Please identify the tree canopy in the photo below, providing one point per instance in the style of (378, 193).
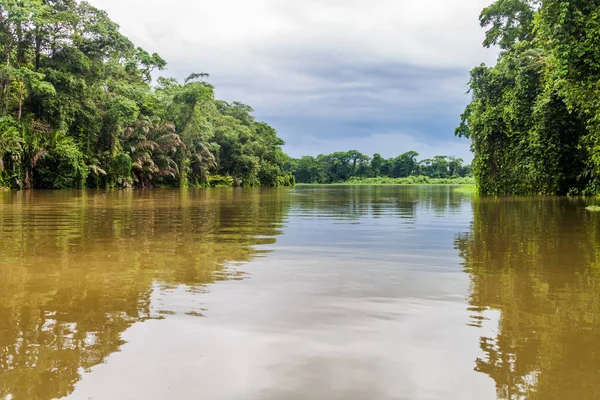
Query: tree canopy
(534, 118)
(79, 108)
(342, 166)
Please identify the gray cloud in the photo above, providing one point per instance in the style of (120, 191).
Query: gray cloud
(328, 74)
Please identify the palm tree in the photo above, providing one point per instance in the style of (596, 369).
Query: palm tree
(152, 147)
(201, 160)
(35, 146)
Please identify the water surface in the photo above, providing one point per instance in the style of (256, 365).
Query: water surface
(304, 293)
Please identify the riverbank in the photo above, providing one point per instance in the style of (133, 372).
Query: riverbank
(411, 180)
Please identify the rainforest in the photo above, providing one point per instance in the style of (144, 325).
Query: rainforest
(534, 118)
(79, 108)
(82, 106)
(183, 266)
(355, 167)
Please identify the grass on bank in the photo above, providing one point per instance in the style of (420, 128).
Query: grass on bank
(467, 189)
(593, 208)
(411, 180)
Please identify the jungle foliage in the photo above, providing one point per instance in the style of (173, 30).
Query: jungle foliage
(79, 108)
(353, 166)
(534, 118)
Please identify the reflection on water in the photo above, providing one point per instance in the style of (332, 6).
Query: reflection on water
(77, 269)
(355, 293)
(536, 262)
(376, 201)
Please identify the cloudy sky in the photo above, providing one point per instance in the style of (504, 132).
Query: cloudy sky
(382, 76)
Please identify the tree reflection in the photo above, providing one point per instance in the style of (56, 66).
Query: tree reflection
(536, 262)
(398, 201)
(78, 268)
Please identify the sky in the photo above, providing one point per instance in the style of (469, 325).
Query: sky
(383, 76)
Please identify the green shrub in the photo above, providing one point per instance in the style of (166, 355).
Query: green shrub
(220, 181)
(63, 167)
(286, 180)
(269, 175)
(120, 170)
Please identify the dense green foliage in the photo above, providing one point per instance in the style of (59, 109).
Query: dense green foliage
(412, 180)
(534, 119)
(346, 166)
(77, 109)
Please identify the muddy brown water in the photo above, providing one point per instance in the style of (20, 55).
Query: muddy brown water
(384, 292)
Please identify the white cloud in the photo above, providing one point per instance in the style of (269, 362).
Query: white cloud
(426, 32)
(368, 60)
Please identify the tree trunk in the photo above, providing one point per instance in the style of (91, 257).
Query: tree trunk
(20, 99)
(20, 45)
(183, 171)
(38, 50)
(27, 179)
(5, 80)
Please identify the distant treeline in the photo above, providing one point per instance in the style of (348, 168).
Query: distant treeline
(342, 166)
(77, 109)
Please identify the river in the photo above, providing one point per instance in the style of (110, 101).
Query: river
(385, 292)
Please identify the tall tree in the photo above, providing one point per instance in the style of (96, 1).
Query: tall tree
(532, 130)
(79, 110)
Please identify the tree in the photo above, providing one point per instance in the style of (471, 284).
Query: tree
(455, 166)
(377, 164)
(532, 131)
(509, 22)
(78, 109)
(342, 166)
(405, 164)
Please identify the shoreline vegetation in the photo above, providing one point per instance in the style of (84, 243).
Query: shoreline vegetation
(465, 183)
(534, 118)
(79, 109)
(354, 167)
